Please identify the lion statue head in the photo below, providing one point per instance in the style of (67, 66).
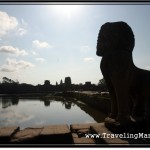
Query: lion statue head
(115, 36)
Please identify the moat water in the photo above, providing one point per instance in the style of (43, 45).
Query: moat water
(26, 112)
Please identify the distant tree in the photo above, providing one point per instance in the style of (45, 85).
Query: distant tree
(7, 80)
(56, 83)
(88, 83)
(46, 82)
(102, 84)
(17, 81)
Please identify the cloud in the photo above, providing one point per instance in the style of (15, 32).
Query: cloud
(34, 53)
(23, 22)
(7, 23)
(40, 123)
(12, 65)
(40, 44)
(84, 48)
(13, 117)
(23, 117)
(7, 69)
(21, 31)
(88, 59)
(12, 50)
(11, 24)
(40, 59)
(22, 28)
(148, 68)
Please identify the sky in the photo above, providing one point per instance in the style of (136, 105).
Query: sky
(51, 42)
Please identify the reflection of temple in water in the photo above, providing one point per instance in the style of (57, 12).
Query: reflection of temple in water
(6, 101)
(67, 104)
(47, 103)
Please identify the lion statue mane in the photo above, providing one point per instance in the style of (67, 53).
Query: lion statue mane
(128, 85)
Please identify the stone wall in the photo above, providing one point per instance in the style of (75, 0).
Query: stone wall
(93, 99)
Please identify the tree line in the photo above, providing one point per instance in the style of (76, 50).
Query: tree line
(9, 86)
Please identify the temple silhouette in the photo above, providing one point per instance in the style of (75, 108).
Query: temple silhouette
(9, 86)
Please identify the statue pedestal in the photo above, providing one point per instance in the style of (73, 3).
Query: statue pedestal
(104, 136)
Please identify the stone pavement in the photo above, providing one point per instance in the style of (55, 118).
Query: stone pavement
(76, 134)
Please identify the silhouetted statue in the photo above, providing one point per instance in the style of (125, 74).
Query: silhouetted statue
(128, 85)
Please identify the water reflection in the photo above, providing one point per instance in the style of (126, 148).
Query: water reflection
(47, 103)
(7, 101)
(67, 104)
(27, 112)
(97, 115)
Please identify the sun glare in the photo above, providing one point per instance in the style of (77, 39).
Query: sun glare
(67, 10)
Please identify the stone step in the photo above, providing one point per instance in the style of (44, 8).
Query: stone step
(82, 140)
(110, 139)
(56, 134)
(78, 133)
(99, 130)
(61, 134)
(76, 127)
(6, 134)
(27, 136)
(52, 134)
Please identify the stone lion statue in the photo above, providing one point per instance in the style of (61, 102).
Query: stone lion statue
(129, 86)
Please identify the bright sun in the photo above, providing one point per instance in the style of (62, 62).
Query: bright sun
(67, 10)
